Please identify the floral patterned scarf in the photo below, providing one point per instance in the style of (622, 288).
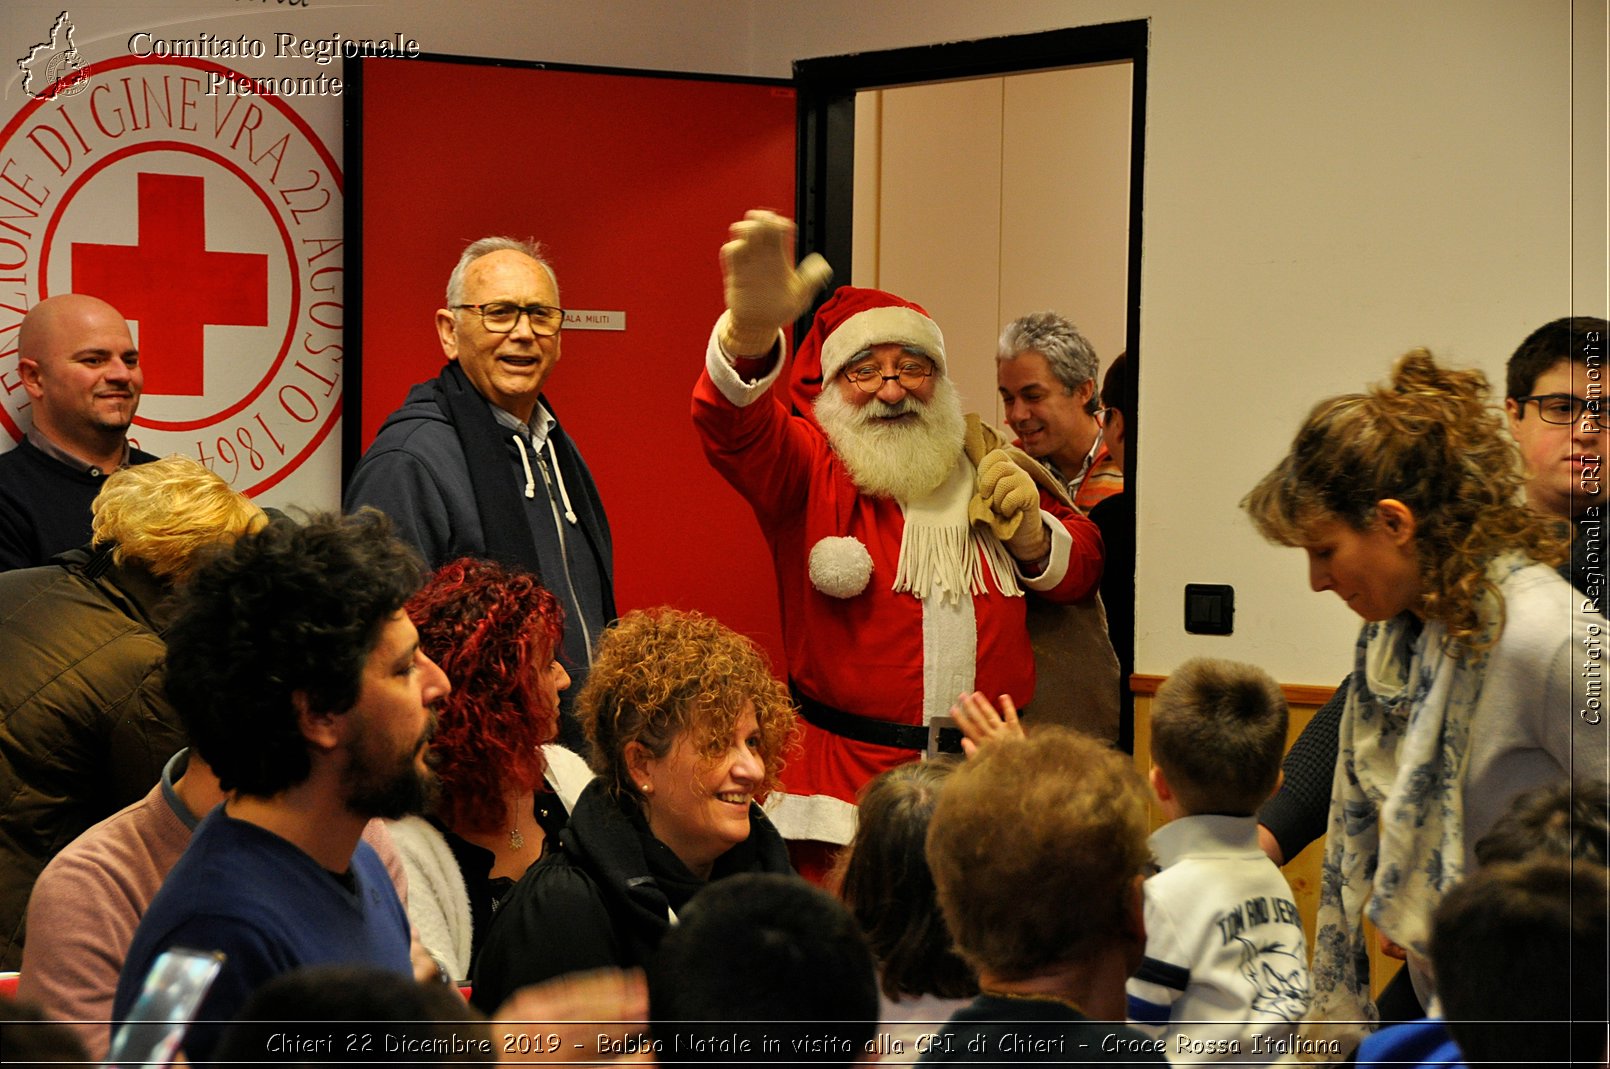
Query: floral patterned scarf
(1395, 839)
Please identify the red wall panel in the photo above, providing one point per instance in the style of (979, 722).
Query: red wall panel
(631, 182)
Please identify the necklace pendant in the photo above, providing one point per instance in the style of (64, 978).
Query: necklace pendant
(516, 840)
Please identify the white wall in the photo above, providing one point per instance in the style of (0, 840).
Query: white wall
(1327, 184)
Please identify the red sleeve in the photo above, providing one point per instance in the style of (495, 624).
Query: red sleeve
(1083, 574)
(765, 453)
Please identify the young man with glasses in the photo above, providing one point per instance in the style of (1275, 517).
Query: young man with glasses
(476, 464)
(906, 539)
(1556, 406)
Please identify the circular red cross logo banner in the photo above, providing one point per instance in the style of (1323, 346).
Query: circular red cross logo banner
(211, 218)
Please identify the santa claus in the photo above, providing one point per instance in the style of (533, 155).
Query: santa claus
(905, 535)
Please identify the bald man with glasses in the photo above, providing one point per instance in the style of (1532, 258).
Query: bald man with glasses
(476, 464)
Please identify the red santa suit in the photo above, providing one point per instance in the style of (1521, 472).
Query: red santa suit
(855, 641)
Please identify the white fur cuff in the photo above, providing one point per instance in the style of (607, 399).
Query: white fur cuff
(740, 393)
(1056, 569)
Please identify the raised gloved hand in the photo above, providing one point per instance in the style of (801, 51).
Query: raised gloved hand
(765, 291)
(1009, 502)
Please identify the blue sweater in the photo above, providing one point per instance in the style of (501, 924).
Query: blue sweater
(269, 908)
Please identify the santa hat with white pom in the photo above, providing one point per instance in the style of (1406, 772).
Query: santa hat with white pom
(852, 321)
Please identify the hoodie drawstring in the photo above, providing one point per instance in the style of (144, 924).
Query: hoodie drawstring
(525, 462)
(559, 477)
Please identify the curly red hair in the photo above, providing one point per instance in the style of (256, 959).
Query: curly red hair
(494, 631)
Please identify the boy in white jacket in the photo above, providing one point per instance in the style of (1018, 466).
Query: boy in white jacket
(1225, 977)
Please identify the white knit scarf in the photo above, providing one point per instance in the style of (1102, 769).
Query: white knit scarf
(942, 553)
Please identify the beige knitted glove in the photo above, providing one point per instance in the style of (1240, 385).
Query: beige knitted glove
(765, 291)
(1009, 502)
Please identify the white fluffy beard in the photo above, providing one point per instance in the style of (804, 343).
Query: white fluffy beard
(903, 460)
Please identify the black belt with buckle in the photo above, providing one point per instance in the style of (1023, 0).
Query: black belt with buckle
(878, 732)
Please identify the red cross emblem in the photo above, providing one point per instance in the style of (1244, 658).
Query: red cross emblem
(214, 222)
(172, 284)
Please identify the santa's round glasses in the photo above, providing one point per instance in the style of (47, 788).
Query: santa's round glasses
(869, 377)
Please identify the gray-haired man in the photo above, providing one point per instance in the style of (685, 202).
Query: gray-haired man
(476, 464)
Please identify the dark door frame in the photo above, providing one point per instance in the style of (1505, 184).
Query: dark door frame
(827, 87)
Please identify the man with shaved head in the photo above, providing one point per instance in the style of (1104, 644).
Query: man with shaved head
(82, 372)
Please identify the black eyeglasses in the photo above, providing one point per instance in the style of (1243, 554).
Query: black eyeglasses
(869, 377)
(500, 317)
(1561, 408)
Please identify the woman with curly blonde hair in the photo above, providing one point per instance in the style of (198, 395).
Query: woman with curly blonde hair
(688, 730)
(1407, 500)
